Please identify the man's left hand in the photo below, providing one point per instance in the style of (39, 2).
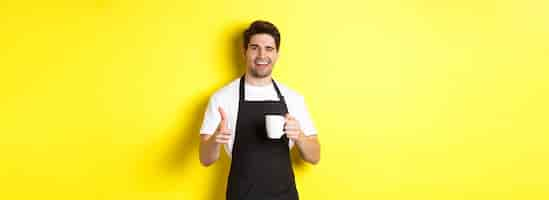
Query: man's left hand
(292, 128)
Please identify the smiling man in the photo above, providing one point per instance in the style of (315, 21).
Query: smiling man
(261, 167)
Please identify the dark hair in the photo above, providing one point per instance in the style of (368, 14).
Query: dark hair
(258, 27)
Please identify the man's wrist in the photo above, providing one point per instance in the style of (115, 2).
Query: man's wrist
(301, 138)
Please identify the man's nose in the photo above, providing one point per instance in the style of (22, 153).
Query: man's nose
(260, 52)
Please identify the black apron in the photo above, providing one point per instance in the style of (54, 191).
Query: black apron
(261, 168)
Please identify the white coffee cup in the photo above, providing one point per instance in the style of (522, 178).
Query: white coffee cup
(275, 126)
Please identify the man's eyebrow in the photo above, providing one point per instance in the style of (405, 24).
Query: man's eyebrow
(257, 45)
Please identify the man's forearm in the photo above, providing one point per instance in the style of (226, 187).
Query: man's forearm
(209, 150)
(309, 149)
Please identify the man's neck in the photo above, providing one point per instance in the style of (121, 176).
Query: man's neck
(258, 81)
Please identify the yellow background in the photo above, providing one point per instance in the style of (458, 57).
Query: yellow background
(412, 99)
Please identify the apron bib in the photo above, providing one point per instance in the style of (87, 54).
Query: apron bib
(261, 168)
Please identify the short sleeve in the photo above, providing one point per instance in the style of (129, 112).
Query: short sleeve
(211, 117)
(301, 113)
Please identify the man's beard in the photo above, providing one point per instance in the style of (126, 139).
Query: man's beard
(257, 74)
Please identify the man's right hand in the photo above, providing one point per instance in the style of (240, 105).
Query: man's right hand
(223, 134)
(210, 144)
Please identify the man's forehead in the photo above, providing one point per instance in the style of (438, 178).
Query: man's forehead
(262, 39)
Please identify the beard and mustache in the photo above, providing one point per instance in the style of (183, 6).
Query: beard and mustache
(261, 73)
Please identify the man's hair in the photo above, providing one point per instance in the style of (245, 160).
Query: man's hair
(258, 27)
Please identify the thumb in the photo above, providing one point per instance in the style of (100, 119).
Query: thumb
(288, 116)
(223, 123)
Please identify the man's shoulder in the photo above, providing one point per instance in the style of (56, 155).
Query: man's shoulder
(227, 91)
(288, 93)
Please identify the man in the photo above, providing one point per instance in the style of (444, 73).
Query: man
(261, 168)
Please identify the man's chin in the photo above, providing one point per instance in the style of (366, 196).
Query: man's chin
(260, 75)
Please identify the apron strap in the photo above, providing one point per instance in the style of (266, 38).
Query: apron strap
(280, 97)
(241, 95)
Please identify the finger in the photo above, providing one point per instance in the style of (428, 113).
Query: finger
(290, 123)
(222, 141)
(223, 122)
(291, 131)
(287, 116)
(226, 132)
(289, 128)
(291, 117)
(224, 137)
(292, 136)
(288, 120)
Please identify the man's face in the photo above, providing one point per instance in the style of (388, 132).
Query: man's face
(261, 55)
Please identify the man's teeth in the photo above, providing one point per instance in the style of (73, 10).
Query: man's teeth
(261, 63)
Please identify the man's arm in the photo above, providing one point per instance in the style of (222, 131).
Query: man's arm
(209, 150)
(210, 145)
(309, 147)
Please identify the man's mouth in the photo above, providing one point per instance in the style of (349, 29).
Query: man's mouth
(262, 62)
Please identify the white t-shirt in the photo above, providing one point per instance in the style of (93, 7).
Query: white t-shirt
(227, 98)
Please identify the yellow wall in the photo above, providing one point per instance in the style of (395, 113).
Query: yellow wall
(412, 99)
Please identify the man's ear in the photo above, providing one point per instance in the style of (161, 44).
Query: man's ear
(242, 51)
